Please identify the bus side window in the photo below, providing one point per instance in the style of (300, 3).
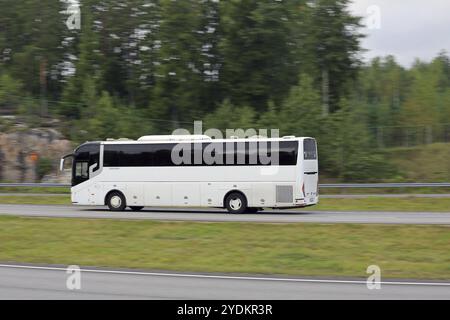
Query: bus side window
(94, 158)
(309, 149)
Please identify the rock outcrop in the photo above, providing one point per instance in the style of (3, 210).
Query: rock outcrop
(22, 151)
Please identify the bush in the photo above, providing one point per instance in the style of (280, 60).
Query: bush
(43, 167)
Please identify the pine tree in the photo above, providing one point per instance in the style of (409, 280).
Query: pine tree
(30, 46)
(301, 111)
(10, 94)
(257, 57)
(88, 66)
(329, 45)
(179, 80)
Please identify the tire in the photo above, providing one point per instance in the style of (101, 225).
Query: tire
(134, 208)
(236, 203)
(116, 201)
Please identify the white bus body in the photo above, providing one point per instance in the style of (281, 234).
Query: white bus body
(127, 173)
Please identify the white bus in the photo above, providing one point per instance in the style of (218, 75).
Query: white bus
(236, 175)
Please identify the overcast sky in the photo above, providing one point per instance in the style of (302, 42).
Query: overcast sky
(408, 29)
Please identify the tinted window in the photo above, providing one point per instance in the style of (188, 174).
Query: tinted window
(288, 153)
(127, 155)
(309, 149)
(200, 154)
(161, 154)
(255, 153)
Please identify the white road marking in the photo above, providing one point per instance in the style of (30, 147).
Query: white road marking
(204, 276)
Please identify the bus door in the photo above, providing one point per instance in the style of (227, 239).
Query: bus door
(86, 161)
(310, 171)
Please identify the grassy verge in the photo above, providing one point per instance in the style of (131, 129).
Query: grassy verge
(422, 163)
(404, 190)
(385, 204)
(62, 200)
(364, 204)
(293, 249)
(34, 190)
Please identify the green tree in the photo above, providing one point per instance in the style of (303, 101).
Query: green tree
(87, 66)
(44, 166)
(300, 113)
(383, 87)
(30, 45)
(345, 148)
(229, 116)
(10, 93)
(423, 107)
(177, 91)
(256, 51)
(329, 47)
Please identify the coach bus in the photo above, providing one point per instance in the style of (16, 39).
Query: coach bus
(241, 175)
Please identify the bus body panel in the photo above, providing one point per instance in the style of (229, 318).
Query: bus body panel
(206, 186)
(158, 194)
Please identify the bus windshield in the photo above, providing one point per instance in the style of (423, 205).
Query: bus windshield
(86, 160)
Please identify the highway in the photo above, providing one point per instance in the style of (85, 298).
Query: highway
(218, 215)
(30, 283)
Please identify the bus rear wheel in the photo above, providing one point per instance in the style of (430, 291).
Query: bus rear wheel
(134, 208)
(236, 203)
(116, 201)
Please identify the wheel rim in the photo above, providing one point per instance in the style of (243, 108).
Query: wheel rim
(235, 204)
(116, 201)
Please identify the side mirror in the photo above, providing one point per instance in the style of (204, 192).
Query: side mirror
(61, 164)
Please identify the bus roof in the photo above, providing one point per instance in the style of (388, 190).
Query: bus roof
(196, 138)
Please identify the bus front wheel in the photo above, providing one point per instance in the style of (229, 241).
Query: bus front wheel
(116, 201)
(236, 203)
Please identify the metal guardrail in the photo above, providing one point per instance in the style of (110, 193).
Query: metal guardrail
(326, 185)
(386, 185)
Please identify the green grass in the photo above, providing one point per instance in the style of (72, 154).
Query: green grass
(40, 190)
(57, 200)
(384, 204)
(425, 163)
(373, 191)
(421, 252)
(364, 204)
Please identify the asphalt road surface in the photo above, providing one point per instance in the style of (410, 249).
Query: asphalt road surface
(25, 283)
(269, 216)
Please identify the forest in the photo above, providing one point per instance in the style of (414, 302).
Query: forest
(140, 67)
